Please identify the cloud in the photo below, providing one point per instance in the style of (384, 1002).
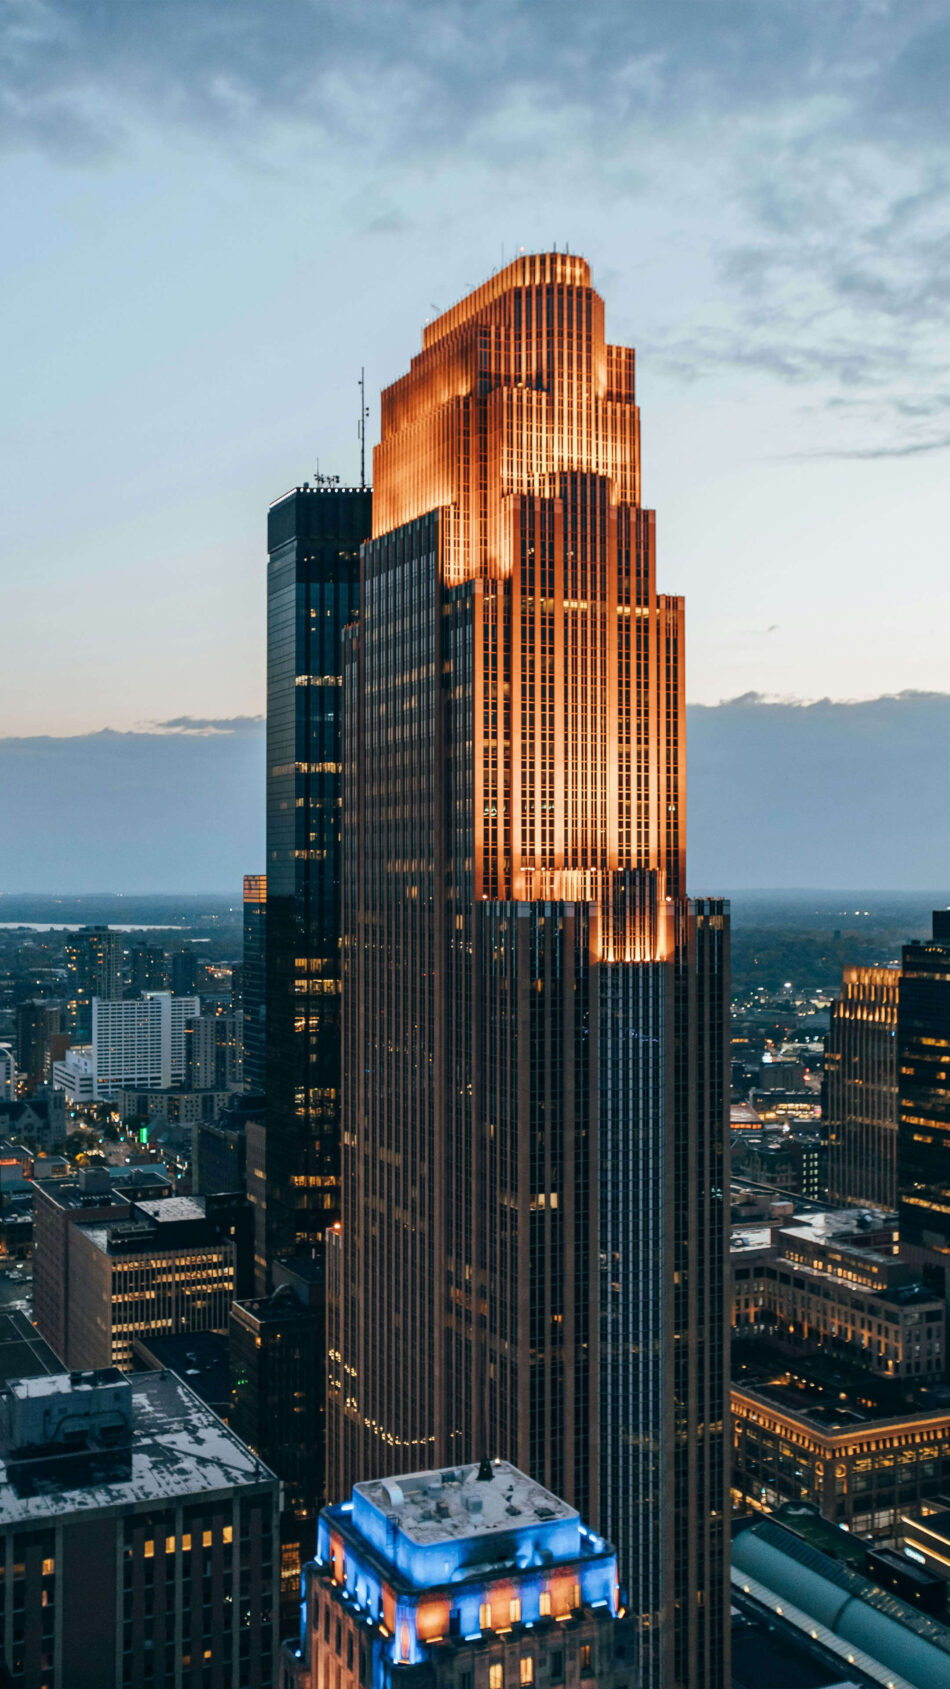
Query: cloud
(805, 132)
(204, 725)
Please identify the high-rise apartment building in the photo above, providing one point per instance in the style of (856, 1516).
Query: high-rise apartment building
(94, 969)
(138, 1539)
(253, 999)
(532, 1254)
(861, 1089)
(140, 1043)
(7, 1074)
(38, 1023)
(475, 1575)
(148, 968)
(923, 1088)
(313, 539)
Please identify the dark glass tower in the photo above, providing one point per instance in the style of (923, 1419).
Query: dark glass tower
(531, 1262)
(923, 1092)
(861, 1089)
(313, 540)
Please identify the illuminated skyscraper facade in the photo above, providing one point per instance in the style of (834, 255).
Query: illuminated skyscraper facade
(531, 1261)
(861, 1089)
(313, 539)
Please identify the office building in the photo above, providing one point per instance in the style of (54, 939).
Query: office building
(278, 1388)
(923, 1087)
(214, 1059)
(816, 1286)
(861, 1089)
(535, 1120)
(94, 969)
(136, 1043)
(313, 541)
(118, 1258)
(253, 983)
(138, 1537)
(471, 1576)
(38, 1023)
(8, 1074)
(859, 1453)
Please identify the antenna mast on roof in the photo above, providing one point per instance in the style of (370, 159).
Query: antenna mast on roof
(361, 430)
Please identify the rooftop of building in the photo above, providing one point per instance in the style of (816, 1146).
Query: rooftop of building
(171, 1209)
(200, 1358)
(832, 1395)
(23, 1352)
(882, 1629)
(178, 1448)
(463, 1501)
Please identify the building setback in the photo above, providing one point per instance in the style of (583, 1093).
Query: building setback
(138, 1536)
(313, 541)
(471, 1578)
(861, 1089)
(535, 1117)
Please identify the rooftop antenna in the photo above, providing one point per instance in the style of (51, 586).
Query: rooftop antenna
(361, 430)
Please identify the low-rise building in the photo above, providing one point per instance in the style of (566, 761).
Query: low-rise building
(138, 1537)
(470, 1578)
(798, 1436)
(829, 1281)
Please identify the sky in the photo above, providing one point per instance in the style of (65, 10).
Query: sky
(849, 796)
(215, 213)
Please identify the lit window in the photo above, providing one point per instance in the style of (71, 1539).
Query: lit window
(514, 1610)
(484, 1618)
(49, 1567)
(150, 1549)
(228, 1533)
(206, 1539)
(527, 1671)
(585, 1656)
(544, 1604)
(494, 1677)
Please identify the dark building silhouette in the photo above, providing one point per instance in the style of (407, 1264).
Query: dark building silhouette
(94, 969)
(532, 1254)
(923, 1088)
(861, 1089)
(313, 538)
(38, 1025)
(184, 971)
(278, 1384)
(253, 999)
(148, 969)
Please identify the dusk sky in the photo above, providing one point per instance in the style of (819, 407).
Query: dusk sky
(214, 213)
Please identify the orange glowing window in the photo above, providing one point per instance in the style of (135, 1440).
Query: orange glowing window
(432, 1621)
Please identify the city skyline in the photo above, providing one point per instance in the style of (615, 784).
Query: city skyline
(762, 195)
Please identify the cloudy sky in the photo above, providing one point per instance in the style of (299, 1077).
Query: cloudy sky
(215, 211)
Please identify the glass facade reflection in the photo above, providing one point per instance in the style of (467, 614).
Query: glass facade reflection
(314, 536)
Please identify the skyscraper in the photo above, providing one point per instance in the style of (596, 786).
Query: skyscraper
(861, 1089)
(94, 968)
(923, 1087)
(313, 539)
(253, 981)
(531, 1262)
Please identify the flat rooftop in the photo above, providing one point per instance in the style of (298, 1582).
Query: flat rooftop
(179, 1448)
(173, 1208)
(453, 1503)
(23, 1352)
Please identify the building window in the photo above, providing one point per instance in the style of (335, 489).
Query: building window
(484, 1618)
(556, 1665)
(585, 1658)
(494, 1677)
(527, 1670)
(514, 1610)
(544, 1604)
